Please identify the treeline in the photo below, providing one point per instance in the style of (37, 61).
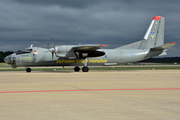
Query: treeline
(163, 60)
(4, 54)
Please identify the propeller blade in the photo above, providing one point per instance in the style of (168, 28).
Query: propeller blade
(48, 45)
(51, 50)
(52, 42)
(52, 55)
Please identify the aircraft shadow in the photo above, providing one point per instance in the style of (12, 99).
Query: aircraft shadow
(57, 71)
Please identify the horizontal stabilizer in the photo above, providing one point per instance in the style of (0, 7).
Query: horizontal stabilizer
(164, 47)
(159, 50)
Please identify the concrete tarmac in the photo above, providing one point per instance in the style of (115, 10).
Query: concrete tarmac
(96, 95)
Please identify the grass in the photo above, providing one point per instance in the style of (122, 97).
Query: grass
(4, 65)
(35, 69)
(100, 68)
(136, 68)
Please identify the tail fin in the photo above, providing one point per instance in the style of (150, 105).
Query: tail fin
(153, 37)
(155, 34)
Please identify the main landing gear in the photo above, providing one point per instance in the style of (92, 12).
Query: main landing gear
(28, 69)
(76, 69)
(84, 69)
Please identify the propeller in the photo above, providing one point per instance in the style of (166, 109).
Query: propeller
(52, 42)
(48, 45)
(52, 49)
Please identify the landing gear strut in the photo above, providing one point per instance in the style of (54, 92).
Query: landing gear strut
(85, 68)
(28, 69)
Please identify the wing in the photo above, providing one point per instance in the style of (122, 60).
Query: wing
(90, 50)
(89, 47)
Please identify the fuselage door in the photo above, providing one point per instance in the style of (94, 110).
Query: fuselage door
(121, 56)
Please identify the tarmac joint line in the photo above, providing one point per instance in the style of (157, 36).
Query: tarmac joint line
(89, 90)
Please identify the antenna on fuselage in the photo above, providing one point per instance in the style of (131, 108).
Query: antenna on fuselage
(31, 45)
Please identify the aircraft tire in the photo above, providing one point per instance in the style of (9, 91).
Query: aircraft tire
(76, 69)
(85, 69)
(28, 69)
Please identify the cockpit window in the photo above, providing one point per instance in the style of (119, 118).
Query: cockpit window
(30, 50)
(25, 51)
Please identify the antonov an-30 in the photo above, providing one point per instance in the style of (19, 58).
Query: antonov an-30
(91, 54)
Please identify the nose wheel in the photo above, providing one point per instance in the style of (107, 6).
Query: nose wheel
(28, 70)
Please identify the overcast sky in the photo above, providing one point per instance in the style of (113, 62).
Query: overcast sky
(111, 22)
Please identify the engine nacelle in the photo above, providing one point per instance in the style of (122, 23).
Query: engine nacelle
(90, 54)
(96, 54)
(64, 51)
(60, 49)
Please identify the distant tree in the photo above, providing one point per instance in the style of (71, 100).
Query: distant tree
(163, 60)
(4, 54)
(1, 58)
(19, 50)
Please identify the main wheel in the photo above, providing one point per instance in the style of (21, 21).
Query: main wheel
(76, 69)
(85, 69)
(28, 69)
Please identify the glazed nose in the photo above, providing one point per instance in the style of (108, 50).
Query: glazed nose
(7, 59)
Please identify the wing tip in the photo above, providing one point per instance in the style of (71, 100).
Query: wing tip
(172, 43)
(103, 45)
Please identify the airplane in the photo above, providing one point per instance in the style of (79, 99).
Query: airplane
(86, 55)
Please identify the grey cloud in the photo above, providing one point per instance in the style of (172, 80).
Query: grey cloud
(115, 22)
(62, 3)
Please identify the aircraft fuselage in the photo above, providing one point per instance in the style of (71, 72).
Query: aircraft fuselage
(86, 55)
(42, 57)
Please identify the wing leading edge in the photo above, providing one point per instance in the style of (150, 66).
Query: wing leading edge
(89, 47)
